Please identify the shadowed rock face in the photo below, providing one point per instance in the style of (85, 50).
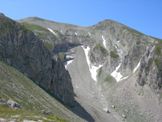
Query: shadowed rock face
(150, 72)
(21, 49)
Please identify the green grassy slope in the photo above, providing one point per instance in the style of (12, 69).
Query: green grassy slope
(14, 85)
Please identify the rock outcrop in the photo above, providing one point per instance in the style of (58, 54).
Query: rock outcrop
(21, 49)
(150, 72)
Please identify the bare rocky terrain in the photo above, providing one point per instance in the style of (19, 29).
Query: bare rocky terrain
(107, 72)
(115, 69)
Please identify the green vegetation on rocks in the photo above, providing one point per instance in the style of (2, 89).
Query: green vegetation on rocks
(132, 31)
(48, 45)
(158, 52)
(109, 78)
(33, 27)
(61, 56)
(158, 48)
(32, 99)
(114, 54)
(101, 48)
(21, 114)
(105, 80)
(45, 35)
(109, 81)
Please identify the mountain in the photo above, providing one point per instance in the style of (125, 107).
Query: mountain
(51, 71)
(25, 62)
(115, 70)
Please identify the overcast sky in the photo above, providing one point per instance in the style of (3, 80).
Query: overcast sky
(143, 15)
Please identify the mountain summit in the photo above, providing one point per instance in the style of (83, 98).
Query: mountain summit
(105, 72)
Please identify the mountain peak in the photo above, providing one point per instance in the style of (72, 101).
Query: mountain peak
(1, 14)
(102, 25)
(108, 21)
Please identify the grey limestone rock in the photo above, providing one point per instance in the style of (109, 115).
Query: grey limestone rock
(21, 49)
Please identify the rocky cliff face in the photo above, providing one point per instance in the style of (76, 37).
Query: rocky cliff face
(124, 65)
(150, 68)
(111, 44)
(21, 49)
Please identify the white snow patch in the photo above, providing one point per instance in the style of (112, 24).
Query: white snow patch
(94, 72)
(118, 41)
(105, 109)
(67, 63)
(117, 75)
(53, 32)
(124, 78)
(76, 33)
(104, 41)
(135, 69)
(116, 46)
(93, 69)
(69, 56)
(89, 33)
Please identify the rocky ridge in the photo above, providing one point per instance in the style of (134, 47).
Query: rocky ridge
(123, 63)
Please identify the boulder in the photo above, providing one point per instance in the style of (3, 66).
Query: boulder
(46, 112)
(12, 104)
(124, 116)
(113, 106)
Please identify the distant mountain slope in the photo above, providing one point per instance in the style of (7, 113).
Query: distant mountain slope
(113, 67)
